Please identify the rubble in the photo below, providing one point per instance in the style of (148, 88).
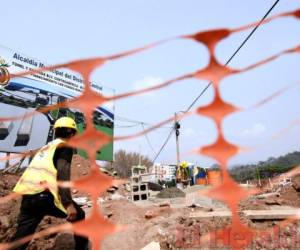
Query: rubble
(267, 195)
(152, 246)
(156, 219)
(117, 196)
(164, 204)
(271, 214)
(172, 192)
(274, 202)
(150, 214)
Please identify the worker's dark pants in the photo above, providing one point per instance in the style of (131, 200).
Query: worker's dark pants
(32, 211)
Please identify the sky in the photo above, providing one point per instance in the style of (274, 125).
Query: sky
(60, 31)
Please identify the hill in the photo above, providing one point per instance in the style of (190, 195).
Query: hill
(266, 169)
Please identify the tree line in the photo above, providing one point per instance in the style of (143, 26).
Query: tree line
(266, 169)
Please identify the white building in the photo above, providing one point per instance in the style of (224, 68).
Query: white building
(163, 172)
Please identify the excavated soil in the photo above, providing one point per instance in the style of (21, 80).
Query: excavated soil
(171, 227)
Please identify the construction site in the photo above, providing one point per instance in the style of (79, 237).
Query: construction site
(156, 126)
(171, 218)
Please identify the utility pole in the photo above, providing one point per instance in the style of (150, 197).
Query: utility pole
(177, 127)
(140, 156)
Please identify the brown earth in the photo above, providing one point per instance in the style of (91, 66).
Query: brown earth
(170, 226)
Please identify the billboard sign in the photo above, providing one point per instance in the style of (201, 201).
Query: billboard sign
(21, 95)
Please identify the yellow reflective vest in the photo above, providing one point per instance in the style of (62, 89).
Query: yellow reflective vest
(41, 174)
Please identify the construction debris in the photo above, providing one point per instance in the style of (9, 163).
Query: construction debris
(150, 214)
(158, 219)
(274, 202)
(172, 192)
(270, 214)
(267, 195)
(204, 214)
(164, 204)
(152, 246)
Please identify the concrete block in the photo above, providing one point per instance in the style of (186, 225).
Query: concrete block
(203, 214)
(271, 214)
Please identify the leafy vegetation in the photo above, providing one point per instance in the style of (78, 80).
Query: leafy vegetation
(266, 169)
(125, 160)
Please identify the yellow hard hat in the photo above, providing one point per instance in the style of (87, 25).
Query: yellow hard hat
(184, 164)
(65, 122)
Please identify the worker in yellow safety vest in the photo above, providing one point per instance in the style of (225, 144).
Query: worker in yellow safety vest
(41, 195)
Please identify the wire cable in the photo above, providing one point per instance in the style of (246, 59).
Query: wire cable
(162, 147)
(147, 138)
(227, 62)
(138, 123)
(235, 52)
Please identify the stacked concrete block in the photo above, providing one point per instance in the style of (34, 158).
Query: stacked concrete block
(139, 189)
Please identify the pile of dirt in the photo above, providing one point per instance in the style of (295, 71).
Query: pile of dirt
(287, 196)
(172, 192)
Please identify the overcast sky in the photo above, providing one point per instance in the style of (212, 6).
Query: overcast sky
(58, 31)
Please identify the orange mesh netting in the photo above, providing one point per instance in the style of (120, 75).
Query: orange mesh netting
(95, 226)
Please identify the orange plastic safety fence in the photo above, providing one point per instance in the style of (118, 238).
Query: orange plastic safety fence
(238, 236)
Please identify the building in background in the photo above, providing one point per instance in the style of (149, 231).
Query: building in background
(163, 172)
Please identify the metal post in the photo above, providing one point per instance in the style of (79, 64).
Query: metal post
(177, 140)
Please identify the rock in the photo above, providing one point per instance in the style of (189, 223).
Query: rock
(267, 195)
(194, 205)
(296, 183)
(161, 232)
(149, 214)
(164, 204)
(64, 241)
(208, 209)
(117, 196)
(152, 246)
(287, 231)
(273, 202)
(109, 214)
(81, 201)
(111, 190)
(100, 200)
(4, 222)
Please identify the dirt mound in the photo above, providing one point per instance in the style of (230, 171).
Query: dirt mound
(172, 192)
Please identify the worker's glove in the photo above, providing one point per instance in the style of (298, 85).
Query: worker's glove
(71, 213)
